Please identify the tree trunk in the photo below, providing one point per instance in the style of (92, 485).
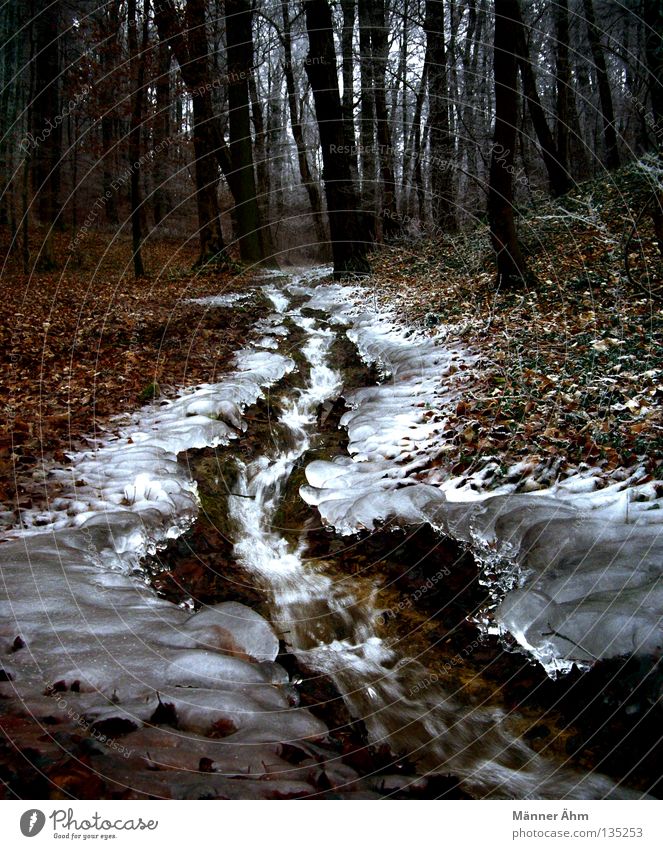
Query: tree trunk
(110, 60)
(14, 113)
(46, 125)
(379, 49)
(191, 52)
(412, 158)
(239, 41)
(137, 66)
(162, 202)
(563, 90)
(307, 180)
(510, 263)
(557, 176)
(473, 83)
(262, 174)
(349, 8)
(441, 143)
(367, 121)
(653, 19)
(605, 95)
(349, 244)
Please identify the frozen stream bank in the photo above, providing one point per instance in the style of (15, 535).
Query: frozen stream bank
(185, 688)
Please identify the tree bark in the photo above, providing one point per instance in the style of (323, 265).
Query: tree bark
(510, 263)
(379, 50)
(239, 45)
(563, 90)
(653, 19)
(558, 178)
(367, 121)
(46, 123)
(349, 244)
(109, 34)
(137, 66)
(349, 9)
(191, 52)
(263, 181)
(605, 95)
(412, 158)
(311, 186)
(441, 143)
(162, 202)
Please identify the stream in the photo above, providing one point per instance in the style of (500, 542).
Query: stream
(204, 697)
(332, 631)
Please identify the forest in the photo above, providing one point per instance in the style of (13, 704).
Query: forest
(330, 448)
(317, 129)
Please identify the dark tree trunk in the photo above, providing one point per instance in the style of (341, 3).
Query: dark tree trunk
(379, 48)
(474, 86)
(367, 121)
(510, 263)
(109, 62)
(46, 123)
(137, 65)
(412, 160)
(557, 176)
(262, 174)
(441, 143)
(563, 90)
(212, 246)
(312, 189)
(605, 95)
(349, 8)
(191, 52)
(162, 203)
(11, 106)
(240, 55)
(653, 19)
(349, 244)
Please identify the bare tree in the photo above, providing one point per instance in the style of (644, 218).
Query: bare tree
(441, 144)
(510, 262)
(605, 94)
(349, 243)
(240, 56)
(188, 43)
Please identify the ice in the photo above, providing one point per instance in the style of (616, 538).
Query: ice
(277, 297)
(577, 564)
(575, 557)
(212, 671)
(72, 588)
(250, 633)
(223, 300)
(111, 637)
(135, 472)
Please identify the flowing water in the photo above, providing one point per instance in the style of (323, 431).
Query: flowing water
(76, 620)
(332, 631)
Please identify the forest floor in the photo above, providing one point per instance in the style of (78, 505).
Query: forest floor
(81, 345)
(571, 367)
